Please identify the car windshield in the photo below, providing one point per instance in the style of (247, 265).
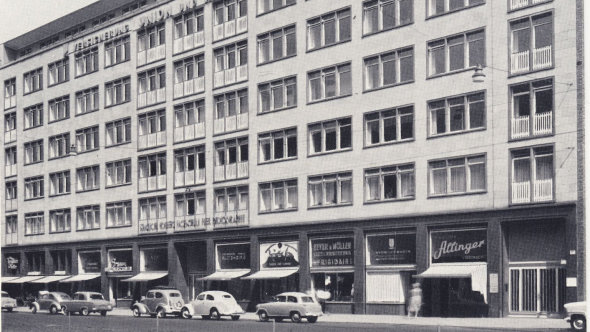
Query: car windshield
(5, 295)
(96, 297)
(306, 299)
(174, 294)
(64, 296)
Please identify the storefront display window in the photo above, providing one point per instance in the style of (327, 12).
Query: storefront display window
(339, 285)
(12, 264)
(153, 259)
(89, 262)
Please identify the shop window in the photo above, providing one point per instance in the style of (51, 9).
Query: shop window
(231, 111)
(58, 71)
(438, 7)
(34, 224)
(340, 286)
(59, 183)
(88, 178)
(455, 53)
(330, 82)
(62, 261)
(118, 132)
(387, 286)
(277, 44)
(390, 183)
(59, 146)
(88, 217)
(457, 114)
(388, 69)
(330, 189)
(189, 121)
(59, 108)
(382, 15)
(33, 116)
(86, 61)
(278, 196)
(388, 126)
(329, 136)
(328, 29)
(36, 261)
(87, 101)
(33, 152)
(277, 145)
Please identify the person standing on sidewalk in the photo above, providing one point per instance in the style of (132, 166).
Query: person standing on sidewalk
(415, 300)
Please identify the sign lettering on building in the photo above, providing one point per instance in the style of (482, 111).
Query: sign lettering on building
(458, 246)
(12, 263)
(332, 252)
(233, 256)
(391, 249)
(101, 37)
(120, 261)
(202, 223)
(279, 254)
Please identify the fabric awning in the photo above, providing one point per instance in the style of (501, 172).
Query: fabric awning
(272, 274)
(477, 272)
(22, 280)
(48, 279)
(226, 275)
(81, 277)
(7, 279)
(146, 276)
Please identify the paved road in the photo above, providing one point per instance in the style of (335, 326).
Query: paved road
(43, 322)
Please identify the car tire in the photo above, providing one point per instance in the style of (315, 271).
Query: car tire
(214, 314)
(578, 323)
(263, 316)
(34, 309)
(103, 313)
(205, 317)
(160, 313)
(9, 309)
(136, 312)
(185, 314)
(235, 317)
(296, 317)
(84, 312)
(53, 310)
(64, 310)
(312, 319)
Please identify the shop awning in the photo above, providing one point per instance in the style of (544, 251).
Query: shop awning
(48, 279)
(226, 275)
(81, 277)
(22, 280)
(477, 272)
(146, 276)
(272, 274)
(7, 279)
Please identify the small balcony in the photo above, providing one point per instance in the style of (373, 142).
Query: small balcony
(189, 42)
(230, 219)
(9, 102)
(151, 55)
(230, 123)
(151, 140)
(230, 76)
(517, 4)
(230, 28)
(190, 87)
(9, 136)
(152, 183)
(231, 171)
(11, 238)
(521, 62)
(10, 170)
(190, 132)
(189, 178)
(542, 191)
(542, 125)
(151, 97)
(11, 205)
(190, 223)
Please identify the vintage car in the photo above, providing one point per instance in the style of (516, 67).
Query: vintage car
(576, 315)
(86, 303)
(49, 301)
(213, 305)
(8, 302)
(159, 303)
(292, 305)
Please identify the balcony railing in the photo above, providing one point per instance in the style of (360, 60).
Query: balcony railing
(230, 76)
(189, 178)
(542, 58)
(543, 191)
(230, 123)
(152, 183)
(186, 133)
(189, 87)
(11, 205)
(521, 192)
(231, 171)
(189, 42)
(542, 125)
(516, 4)
(9, 170)
(9, 136)
(229, 219)
(11, 238)
(9, 102)
(230, 28)
(151, 140)
(151, 97)
(520, 126)
(189, 223)
(521, 62)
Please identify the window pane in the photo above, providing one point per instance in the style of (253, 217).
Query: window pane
(292, 146)
(389, 74)
(406, 66)
(373, 132)
(390, 186)
(279, 152)
(477, 172)
(315, 193)
(331, 140)
(389, 129)
(316, 140)
(329, 32)
(457, 118)
(405, 11)
(439, 181)
(476, 114)
(330, 82)
(371, 22)
(388, 12)
(315, 36)
(344, 29)
(456, 53)
(476, 53)
(544, 101)
(372, 74)
(458, 179)
(437, 60)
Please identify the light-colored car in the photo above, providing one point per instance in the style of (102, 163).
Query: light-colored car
(213, 305)
(8, 302)
(159, 302)
(292, 305)
(86, 303)
(576, 315)
(50, 301)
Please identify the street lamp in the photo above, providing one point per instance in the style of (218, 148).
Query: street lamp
(478, 75)
(73, 151)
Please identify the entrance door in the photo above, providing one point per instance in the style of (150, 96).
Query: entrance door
(536, 289)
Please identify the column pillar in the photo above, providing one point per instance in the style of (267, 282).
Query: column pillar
(48, 264)
(494, 260)
(359, 272)
(104, 281)
(304, 275)
(176, 275)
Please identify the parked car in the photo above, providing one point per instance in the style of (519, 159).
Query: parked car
(292, 305)
(576, 315)
(159, 302)
(86, 303)
(213, 305)
(8, 302)
(49, 301)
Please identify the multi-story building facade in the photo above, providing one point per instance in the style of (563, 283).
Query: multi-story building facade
(350, 147)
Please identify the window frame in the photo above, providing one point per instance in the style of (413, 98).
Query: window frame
(124, 42)
(88, 209)
(397, 170)
(398, 123)
(89, 171)
(280, 184)
(56, 105)
(35, 79)
(325, 17)
(63, 64)
(532, 164)
(238, 191)
(448, 116)
(125, 205)
(114, 167)
(94, 131)
(147, 202)
(36, 184)
(398, 68)
(338, 178)
(447, 59)
(532, 103)
(270, 36)
(284, 83)
(56, 139)
(322, 129)
(192, 196)
(466, 175)
(86, 95)
(84, 56)
(380, 4)
(37, 114)
(284, 134)
(37, 218)
(67, 221)
(125, 124)
(38, 151)
(451, 11)
(125, 84)
(321, 75)
(66, 176)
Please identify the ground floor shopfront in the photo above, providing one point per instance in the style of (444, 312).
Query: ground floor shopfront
(520, 261)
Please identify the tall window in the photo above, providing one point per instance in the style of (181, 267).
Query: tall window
(152, 172)
(34, 223)
(532, 108)
(88, 217)
(33, 152)
(10, 93)
(388, 126)
(390, 183)
(58, 71)
(86, 61)
(59, 183)
(59, 108)
(118, 214)
(437, 7)
(231, 111)
(190, 204)
(118, 172)
(9, 127)
(152, 208)
(389, 68)
(189, 166)
(116, 51)
(88, 178)
(60, 220)
(87, 100)
(152, 84)
(457, 175)
(11, 229)
(328, 29)
(531, 40)
(329, 82)
(278, 196)
(328, 136)
(532, 175)
(230, 64)
(118, 132)
(188, 30)
(330, 189)
(231, 159)
(276, 95)
(456, 52)
(33, 116)
(189, 120)
(151, 129)
(189, 76)
(229, 18)
(117, 91)
(230, 200)
(11, 202)
(34, 187)
(457, 114)
(151, 44)
(10, 161)
(277, 145)
(381, 15)
(33, 80)
(277, 44)
(87, 139)
(59, 145)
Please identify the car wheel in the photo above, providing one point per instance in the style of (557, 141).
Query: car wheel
(53, 310)
(235, 317)
(295, 317)
(263, 316)
(64, 310)
(312, 319)
(103, 313)
(84, 312)
(205, 316)
(34, 309)
(160, 313)
(136, 312)
(10, 310)
(578, 323)
(185, 313)
(214, 314)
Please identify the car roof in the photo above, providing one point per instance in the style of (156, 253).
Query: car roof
(59, 293)
(3, 292)
(165, 290)
(215, 292)
(87, 293)
(292, 294)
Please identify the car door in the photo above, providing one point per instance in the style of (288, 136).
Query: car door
(199, 305)
(209, 303)
(278, 307)
(149, 300)
(43, 301)
(158, 298)
(292, 304)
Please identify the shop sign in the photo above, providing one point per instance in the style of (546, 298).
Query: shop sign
(120, 261)
(459, 246)
(155, 259)
(279, 254)
(228, 221)
(101, 37)
(233, 256)
(12, 263)
(204, 223)
(392, 249)
(90, 262)
(154, 226)
(332, 252)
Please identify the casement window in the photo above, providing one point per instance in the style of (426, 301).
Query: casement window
(117, 91)
(151, 129)
(438, 7)
(9, 127)
(10, 93)
(151, 44)
(34, 225)
(231, 200)
(231, 159)
(231, 111)
(59, 108)
(390, 125)
(457, 52)
(189, 121)
(60, 221)
(116, 51)
(277, 44)
(118, 172)
(87, 139)
(457, 114)
(519, 4)
(277, 145)
(33, 80)
(265, 6)
(118, 214)
(331, 135)
(189, 30)
(278, 196)
(152, 172)
(329, 82)
(457, 175)
(532, 174)
(33, 152)
(230, 64)
(390, 183)
(34, 187)
(531, 43)
(330, 189)
(87, 178)
(190, 204)
(189, 166)
(11, 229)
(87, 100)
(10, 161)
(388, 69)
(328, 29)
(86, 61)
(151, 86)
(152, 208)
(58, 71)
(118, 132)
(381, 15)
(33, 116)
(532, 108)
(59, 183)
(277, 95)
(59, 145)
(88, 217)
(11, 197)
(230, 17)
(189, 76)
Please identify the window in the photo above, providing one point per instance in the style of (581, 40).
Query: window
(278, 196)
(33, 116)
(118, 91)
(331, 135)
(532, 175)
(88, 178)
(231, 200)
(381, 15)
(33, 80)
(151, 44)
(59, 108)
(189, 166)
(87, 139)
(118, 214)
(457, 175)
(86, 61)
(33, 152)
(34, 225)
(389, 68)
(330, 28)
(329, 82)
(188, 30)
(118, 172)
(151, 129)
(34, 187)
(339, 285)
(532, 109)
(152, 84)
(231, 159)
(390, 183)
(59, 183)
(231, 111)
(229, 18)
(9, 93)
(9, 127)
(230, 64)
(277, 95)
(11, 203)
(330, 189)
(118, 132)
(152, 172)
(62, 261)
(10, 161)
(189, 121)
(116, 51)
(531, 43)
(388, 126)
(190, 204)
(189, 76)
(437, 7)
(59, 146)
(152, 208)
(265, 6)
(11, 229)
(277, 145)
(457, 114)
(456, 52)
(60, 221)
(88, 217)
(58, 71)
(277, 44)
(87, 100)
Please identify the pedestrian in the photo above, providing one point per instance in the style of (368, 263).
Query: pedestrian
(415, 300)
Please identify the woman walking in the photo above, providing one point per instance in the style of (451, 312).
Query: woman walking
(415, 300)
